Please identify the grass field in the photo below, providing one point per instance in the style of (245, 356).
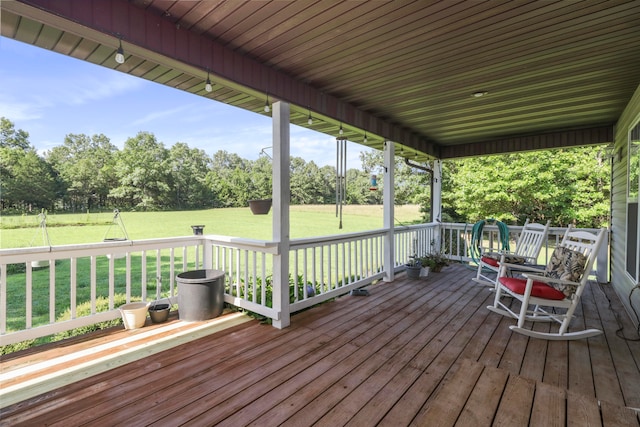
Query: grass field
(306, 221)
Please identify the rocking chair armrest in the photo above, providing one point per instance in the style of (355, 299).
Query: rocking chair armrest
(545, 279)
(520, 267)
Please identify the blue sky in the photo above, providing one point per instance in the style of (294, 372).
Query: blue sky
(50, 95)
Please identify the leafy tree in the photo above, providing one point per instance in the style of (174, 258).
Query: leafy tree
(26, 180)
(261, 178)
(12, 138)
(29, 183)
(143, 173)
(568, 185)
(229, 178)
(189, 168)
(311, 184)
(86, 165)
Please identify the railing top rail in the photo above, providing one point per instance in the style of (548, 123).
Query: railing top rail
(19, 255)
(337, 237)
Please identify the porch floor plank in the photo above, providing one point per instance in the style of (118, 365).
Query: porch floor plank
(410, 353)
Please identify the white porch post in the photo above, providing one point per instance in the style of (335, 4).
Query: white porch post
(281, 198)
(437, 190)
(437, 202)
(388, 199)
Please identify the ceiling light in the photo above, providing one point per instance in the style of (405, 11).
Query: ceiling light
(340, 131)
(310, 119)
(479, 94)
(365, 137)
(266, 105)
(208, 86)
(120, 54)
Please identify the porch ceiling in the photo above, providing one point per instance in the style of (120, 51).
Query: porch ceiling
(556, 73)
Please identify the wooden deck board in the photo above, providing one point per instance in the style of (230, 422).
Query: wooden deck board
(483, 402)
(410, 353)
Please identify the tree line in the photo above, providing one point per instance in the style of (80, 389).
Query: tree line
(90, 173)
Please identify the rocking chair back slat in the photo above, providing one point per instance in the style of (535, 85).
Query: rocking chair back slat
(528, 247)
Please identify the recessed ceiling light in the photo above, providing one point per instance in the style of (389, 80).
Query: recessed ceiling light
(479, 94)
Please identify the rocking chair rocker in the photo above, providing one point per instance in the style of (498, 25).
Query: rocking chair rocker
(528, 247)
(553, 294)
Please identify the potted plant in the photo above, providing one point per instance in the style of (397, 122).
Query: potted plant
(435, 261)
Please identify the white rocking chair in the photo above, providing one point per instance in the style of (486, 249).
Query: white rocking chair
(528, 247)
(553, 294)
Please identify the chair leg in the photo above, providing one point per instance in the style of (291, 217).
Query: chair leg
(481, 277)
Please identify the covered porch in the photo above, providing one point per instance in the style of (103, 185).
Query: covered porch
(413, 352)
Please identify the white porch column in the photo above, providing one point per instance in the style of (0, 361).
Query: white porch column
(437, 191)
(281, 199)
(436, 198)
(388, 199)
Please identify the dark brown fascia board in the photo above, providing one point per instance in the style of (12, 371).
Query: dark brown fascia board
(545, 141)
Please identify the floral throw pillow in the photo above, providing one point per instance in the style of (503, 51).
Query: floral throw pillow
(565, 264)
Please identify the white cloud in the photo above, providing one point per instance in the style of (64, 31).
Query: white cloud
(16, 110)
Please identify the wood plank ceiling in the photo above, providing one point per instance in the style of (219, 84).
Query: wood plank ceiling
(553, 73)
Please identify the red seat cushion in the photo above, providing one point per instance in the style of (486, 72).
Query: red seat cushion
(490, 261)
(540, 289)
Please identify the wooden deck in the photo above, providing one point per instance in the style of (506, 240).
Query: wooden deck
(420, 352)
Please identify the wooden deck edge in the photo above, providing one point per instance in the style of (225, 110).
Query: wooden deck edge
(126, 354)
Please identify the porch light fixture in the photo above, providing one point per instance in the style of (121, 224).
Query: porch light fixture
(266, 105)
(341, 131)
(310, 119)
(365, 137)
(479, 94)
(120, 54)
(208, 86)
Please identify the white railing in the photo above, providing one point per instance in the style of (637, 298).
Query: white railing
(91, 280)
(456, 240)
(325, 267)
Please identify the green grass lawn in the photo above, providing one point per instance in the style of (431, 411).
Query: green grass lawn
(306, 221)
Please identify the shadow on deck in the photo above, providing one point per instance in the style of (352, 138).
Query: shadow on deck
(413, 352)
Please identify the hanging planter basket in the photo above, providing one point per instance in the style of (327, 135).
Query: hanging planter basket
(42, 263)
(117, 227)
(260, 207)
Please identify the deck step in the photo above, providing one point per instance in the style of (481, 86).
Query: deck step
(23, 382)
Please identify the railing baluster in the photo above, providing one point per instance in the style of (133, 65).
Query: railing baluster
(29, 296)
(3, 298)
(92, 283)
(112, 279)
(52, 292)
(74, 284)
(172, 271)
(128, 279)
(143, 279)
